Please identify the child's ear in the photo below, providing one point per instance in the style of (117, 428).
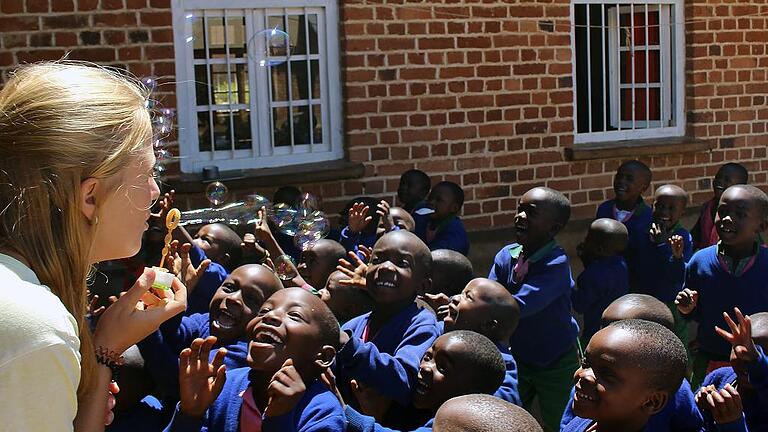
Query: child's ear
(88, 190)
(224, 259)
(426, 285)
(324, 358)
(556, 227)
(489, 327)
(655, 403)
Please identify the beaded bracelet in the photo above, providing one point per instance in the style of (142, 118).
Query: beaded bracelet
(110, 359)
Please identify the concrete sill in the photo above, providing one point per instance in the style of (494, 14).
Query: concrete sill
(634, 148)
(266, 177)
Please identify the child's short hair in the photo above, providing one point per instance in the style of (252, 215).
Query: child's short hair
(760, 328)
(738, 168)
(483, 413)
(673, 191)
(658, 351)
(640, 166)
(451, 271)
(611, 233)
(421, 254)
(327, 324)
(559, 204)
(485, 357)
(757, 195)
(456, 191)
(287, 195)
(417, 177)
(230, 244)
(640, 306)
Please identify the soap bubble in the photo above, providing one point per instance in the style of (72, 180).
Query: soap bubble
(316, 222)
(159, 170)
(269, 47)
(216, 193)
(285, 218)
(159, 144)
(305, 240)
(285, 267)
(257, 202)
(163, 155)
(309, 202)
(150, 83)
(163, 124)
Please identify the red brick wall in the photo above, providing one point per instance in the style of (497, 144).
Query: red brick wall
(475, 92)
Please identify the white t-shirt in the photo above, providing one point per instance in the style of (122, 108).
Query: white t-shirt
(39, 354)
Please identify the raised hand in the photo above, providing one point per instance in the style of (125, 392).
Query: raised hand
(658, 232)
(365, 251)
(93, 311)
(189, 274)
(686, 301)
(436, 301)
(200, 382)
(358, 217)
(740, 336)
(371, 402)
(252, 249)
(725, 404)
(261, 230)
(676, 242)
(354, 270)
(382, 209)
(284, 391)
(329, 379)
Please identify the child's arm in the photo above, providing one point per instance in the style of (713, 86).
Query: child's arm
(358, 220)
(587, 292)
(357, 422)
(392, 375)
(540, 290)
(200, 383)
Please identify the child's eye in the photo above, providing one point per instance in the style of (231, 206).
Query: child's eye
(375, 260)
(405, 264)
(296, 315)
(263, 311)
(229, 288)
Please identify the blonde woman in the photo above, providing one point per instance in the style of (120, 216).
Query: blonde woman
(76, 186)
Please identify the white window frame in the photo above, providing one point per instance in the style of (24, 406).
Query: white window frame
(262, 154)
(673, 93)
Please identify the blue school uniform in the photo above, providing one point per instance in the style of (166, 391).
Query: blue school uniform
(390, 360)
(679, 415)
(508, 390)
(351, 240)
(449, 234)
(357, 422)
(637, 227)
(602, 281)
(200, 299)
(546, 330)
(658, 273)
(318, 410)
(720, 291)
(148, 415)
(755, 408)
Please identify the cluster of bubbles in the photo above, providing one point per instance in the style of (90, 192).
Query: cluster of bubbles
(162, 125)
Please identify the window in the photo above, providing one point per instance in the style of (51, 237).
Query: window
(629, 67)
(258, 83)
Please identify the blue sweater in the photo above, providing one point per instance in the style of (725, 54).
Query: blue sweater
(318, 410)
(450, 235)
(756, 407)
(546, 330)
(637, 226)
(351, 240)
(679, 415)
(602, 281)
(390, 360)
(508, 390)
(200, 299)
(720, 291)
(357, 422)
(657, 272)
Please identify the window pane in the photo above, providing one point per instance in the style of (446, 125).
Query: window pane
(201, 85)
(654, 107)
(280, 82)
(313, 34)
(301, 125)
(216, 37)
(198, 45)
(219, 84)
(242, 120)
(240, 87)
(203, 131)
(315, 79)
(299, 80)
(318, 124)
(297, 34)
(222, 140)
(276, 22)
(653, 27)
(281, 127)
(236, 36)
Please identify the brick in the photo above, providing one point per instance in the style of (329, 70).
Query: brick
(24, 23)
(37, 6)
(157, 19)
(124, 19)
(14, 40)
(65, 39)
(112, 4)
(93, 54)
(39, 55)
(87, 5)
(90, 38)
(114, 37)
(12, 6)
(155, 52)
(531, 128)
(40, 39)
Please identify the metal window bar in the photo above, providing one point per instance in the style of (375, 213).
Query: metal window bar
(289, 77)
(308, 60)
(618, 81)
(647, 76)
(662, 41)
(253, 97)
(604, 89)
(589, 71)
(209, 94)
(268, 69)
(631, 43)
(229, 83)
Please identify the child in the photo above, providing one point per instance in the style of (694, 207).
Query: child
(704, 232)
(738, 394)
(291, 197)
(382, 349)
(604, 278)
(486, 307)
(443, 229)
(319, 261)
(483, 413)
(362, 223)
(731, 274)
(293, 341)
(451, 272)
(629, 372)
(680, 414)
(413, 189)
(345, 301)
(537, 272)
(401, 218)
(632, 180)
(458, 363)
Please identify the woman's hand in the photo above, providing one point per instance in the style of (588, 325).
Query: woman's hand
(124, 324)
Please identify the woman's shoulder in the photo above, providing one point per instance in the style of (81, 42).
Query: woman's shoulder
(33, 317)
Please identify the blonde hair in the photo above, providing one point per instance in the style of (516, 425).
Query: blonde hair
(61, 123)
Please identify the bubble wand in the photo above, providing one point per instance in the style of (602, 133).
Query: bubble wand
(161, 287)
(171, 222)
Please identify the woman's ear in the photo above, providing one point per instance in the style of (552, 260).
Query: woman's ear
(88, 190)
(324, 358)
(656, 402)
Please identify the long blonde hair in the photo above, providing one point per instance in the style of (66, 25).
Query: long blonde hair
(61, 123)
